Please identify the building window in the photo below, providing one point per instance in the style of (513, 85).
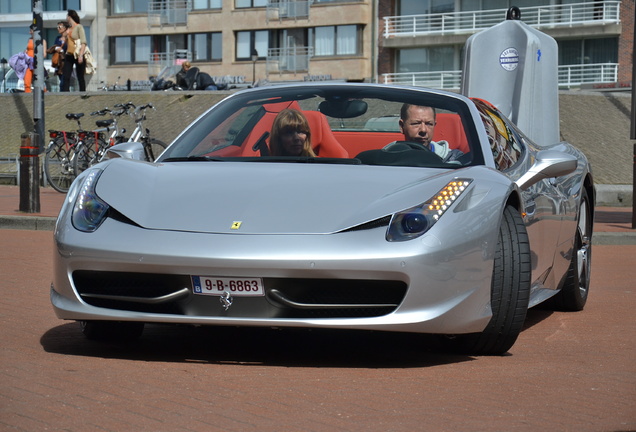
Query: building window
(588, 51)
(206, 46)
(15, 7)
(240, 4)
(129, 49)
(248, 42)
(429, 59)
(129, 6)
(61, 5)
(207, 4)
(336, 40)
(425, 7)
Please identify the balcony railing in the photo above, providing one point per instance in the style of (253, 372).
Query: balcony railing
(597, 73)
(287, 9)
(567, 15)
(160, 60)
(438, 80)
(168, 12)
(569, 76)
(292, 59)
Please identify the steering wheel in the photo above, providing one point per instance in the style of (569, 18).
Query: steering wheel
(400, 146)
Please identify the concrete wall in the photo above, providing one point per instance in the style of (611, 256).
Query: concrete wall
(596, 122)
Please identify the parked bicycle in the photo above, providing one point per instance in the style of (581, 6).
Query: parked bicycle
(114, 87)
(152, 146)
(70, 153)
(94, 148)
(96, 144)
(61, 153)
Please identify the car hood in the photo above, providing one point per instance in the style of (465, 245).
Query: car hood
(262, 198)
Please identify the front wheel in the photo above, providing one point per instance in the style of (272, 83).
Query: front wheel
(153, 148)
(510, 292)
(58, 165)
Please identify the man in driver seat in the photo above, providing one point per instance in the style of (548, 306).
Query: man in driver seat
(417, 123)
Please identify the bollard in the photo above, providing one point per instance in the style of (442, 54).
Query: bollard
(29, 174)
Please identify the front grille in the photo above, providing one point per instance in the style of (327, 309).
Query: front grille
(284, 297)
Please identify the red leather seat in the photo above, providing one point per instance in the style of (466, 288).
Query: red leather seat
(323, 141)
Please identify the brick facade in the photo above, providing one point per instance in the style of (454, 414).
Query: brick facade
(385, 56)
(626, 43)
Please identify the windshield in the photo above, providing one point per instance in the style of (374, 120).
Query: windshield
(354, 124)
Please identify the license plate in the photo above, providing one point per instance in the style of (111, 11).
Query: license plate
(216, 286)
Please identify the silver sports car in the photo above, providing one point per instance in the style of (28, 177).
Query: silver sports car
(375, 230)
(344, 206)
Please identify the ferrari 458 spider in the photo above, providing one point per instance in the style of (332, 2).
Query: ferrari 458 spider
(374, 229)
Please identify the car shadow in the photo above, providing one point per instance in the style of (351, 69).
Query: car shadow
(259, 346)
(535, 316)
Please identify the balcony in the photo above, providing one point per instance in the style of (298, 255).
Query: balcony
(288, 60)
(577, 75)
(569, 76)
(568, 15)
(287, 9)
(438, 80)
(168, 12)
(160, 60)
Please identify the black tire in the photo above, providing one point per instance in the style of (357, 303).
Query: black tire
(510, 292)
(573, 294)
(153, 148)
(121, 331)
(58, 165)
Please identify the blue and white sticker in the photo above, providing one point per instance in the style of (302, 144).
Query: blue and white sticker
(509, 59)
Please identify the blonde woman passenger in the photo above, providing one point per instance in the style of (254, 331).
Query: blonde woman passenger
(290, 135)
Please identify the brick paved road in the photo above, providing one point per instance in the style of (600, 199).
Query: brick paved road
(567, 372)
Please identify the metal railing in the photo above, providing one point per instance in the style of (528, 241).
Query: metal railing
(569, 76)
(596, 73)
(287, 9)
(168, 12)
(292, 59)
(160, 60)
(567, 15)
(438, 80)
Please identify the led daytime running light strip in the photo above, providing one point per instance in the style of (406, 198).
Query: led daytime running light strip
(447, 196)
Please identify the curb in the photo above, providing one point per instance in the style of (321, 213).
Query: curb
(614, 238)
(37, 223)
(614, 195)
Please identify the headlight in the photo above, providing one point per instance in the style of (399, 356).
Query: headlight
(413, 222)
(89, 211)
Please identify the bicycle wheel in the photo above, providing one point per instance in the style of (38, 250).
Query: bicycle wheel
(58, 164)
(153, 148)
(88, 153)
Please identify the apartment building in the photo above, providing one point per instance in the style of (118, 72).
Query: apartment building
(416, 42)
(421, 41)
(241, 41)
(235, 40)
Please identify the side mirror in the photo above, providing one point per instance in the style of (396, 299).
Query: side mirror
(549, 163)
(127, 150)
